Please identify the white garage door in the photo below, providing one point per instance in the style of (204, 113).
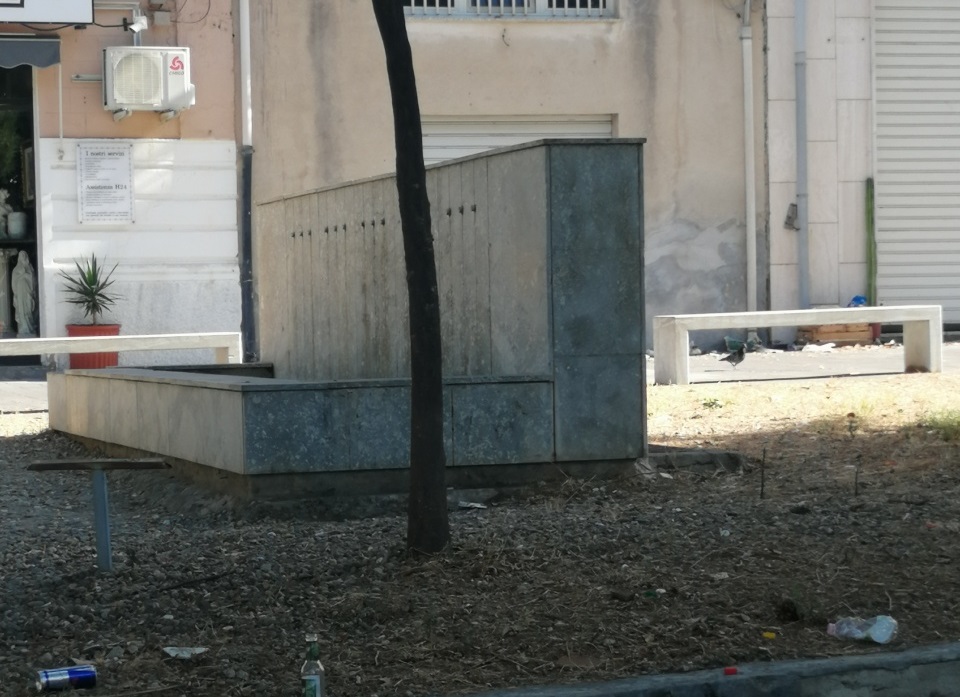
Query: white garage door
(918, 153)
(446, 138)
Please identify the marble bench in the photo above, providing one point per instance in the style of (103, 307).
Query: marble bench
(226, 345)
(922, 333)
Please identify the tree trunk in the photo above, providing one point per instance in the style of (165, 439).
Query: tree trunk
(428, 528)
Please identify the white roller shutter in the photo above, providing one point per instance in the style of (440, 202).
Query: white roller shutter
(446, 138)
(917, 73)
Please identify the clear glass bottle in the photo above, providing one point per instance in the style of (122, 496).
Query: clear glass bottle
(311, 673)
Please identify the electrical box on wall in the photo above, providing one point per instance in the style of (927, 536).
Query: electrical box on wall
(147, 78)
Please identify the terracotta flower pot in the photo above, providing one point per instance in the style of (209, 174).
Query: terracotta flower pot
(93, 360)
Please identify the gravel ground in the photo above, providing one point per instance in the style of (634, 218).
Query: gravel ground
(579, 581)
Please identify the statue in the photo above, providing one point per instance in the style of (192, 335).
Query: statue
(6, 306)
(5, 210)
(25, 296)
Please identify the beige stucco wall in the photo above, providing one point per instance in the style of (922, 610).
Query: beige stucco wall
(667, 71)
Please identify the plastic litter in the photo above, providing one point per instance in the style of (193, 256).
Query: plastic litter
(857, 301)
(881, 629)
(819, 348)
(184, 652)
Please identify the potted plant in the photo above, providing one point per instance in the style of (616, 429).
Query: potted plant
(88, 288)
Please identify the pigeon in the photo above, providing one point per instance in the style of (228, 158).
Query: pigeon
(735, 358)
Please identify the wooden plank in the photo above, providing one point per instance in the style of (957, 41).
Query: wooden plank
(91, 464)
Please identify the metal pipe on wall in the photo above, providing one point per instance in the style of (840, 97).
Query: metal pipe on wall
(803, 237)
(248, 326)
(750, 174)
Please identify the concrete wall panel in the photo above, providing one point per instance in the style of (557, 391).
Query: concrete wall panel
(517, 223)
(599, 407)
(345, 298)
(596, 250)
(505, 423)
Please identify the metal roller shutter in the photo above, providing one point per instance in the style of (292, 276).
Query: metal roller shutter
(917, 73)
(446, 138)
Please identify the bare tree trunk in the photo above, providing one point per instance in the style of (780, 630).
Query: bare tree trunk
(428, 528)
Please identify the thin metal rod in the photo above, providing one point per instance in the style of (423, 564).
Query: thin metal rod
(749, 153)
(101, 520)
(803, 232)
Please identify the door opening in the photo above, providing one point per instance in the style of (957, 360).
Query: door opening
(19, 298)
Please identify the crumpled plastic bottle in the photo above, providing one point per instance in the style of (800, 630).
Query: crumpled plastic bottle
(881, 629)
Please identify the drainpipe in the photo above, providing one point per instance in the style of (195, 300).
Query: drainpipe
(803, 240)
(248, 327)
(749, 170)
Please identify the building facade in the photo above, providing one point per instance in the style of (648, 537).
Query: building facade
(489, 76)
(112, 160)
(711, 85)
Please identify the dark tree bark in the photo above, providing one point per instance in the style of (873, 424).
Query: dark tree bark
(428, 528)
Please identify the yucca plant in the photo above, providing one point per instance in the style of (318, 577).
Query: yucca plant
(87, 288)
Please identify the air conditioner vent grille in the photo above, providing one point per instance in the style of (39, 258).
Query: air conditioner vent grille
(138, 79)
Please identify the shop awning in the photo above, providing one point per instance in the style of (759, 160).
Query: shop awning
(39, 51)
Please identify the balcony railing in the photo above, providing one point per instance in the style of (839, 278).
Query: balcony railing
(571, 9)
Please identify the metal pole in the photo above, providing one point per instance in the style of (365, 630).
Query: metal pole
(101, 520)
(803, 231)
(750, 175)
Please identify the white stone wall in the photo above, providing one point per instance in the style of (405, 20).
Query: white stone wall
(839, 147)
(177, 262)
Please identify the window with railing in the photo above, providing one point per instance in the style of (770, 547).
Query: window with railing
(511, 8)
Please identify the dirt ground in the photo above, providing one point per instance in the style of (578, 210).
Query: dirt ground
(849, 505)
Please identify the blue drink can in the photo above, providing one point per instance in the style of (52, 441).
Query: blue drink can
(77, 677)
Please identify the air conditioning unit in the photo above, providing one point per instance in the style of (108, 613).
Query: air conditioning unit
(147, 78)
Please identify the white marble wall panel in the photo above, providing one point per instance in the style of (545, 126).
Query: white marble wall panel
(784, 295)
(782, 143)
(779, 8)
(822, 29)
(824, 263)
(855, 140)
(783, 241)
(781, 59)
(821, 100)
(822, 185)
(853, 222)
(854, 8)
(853, 59)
